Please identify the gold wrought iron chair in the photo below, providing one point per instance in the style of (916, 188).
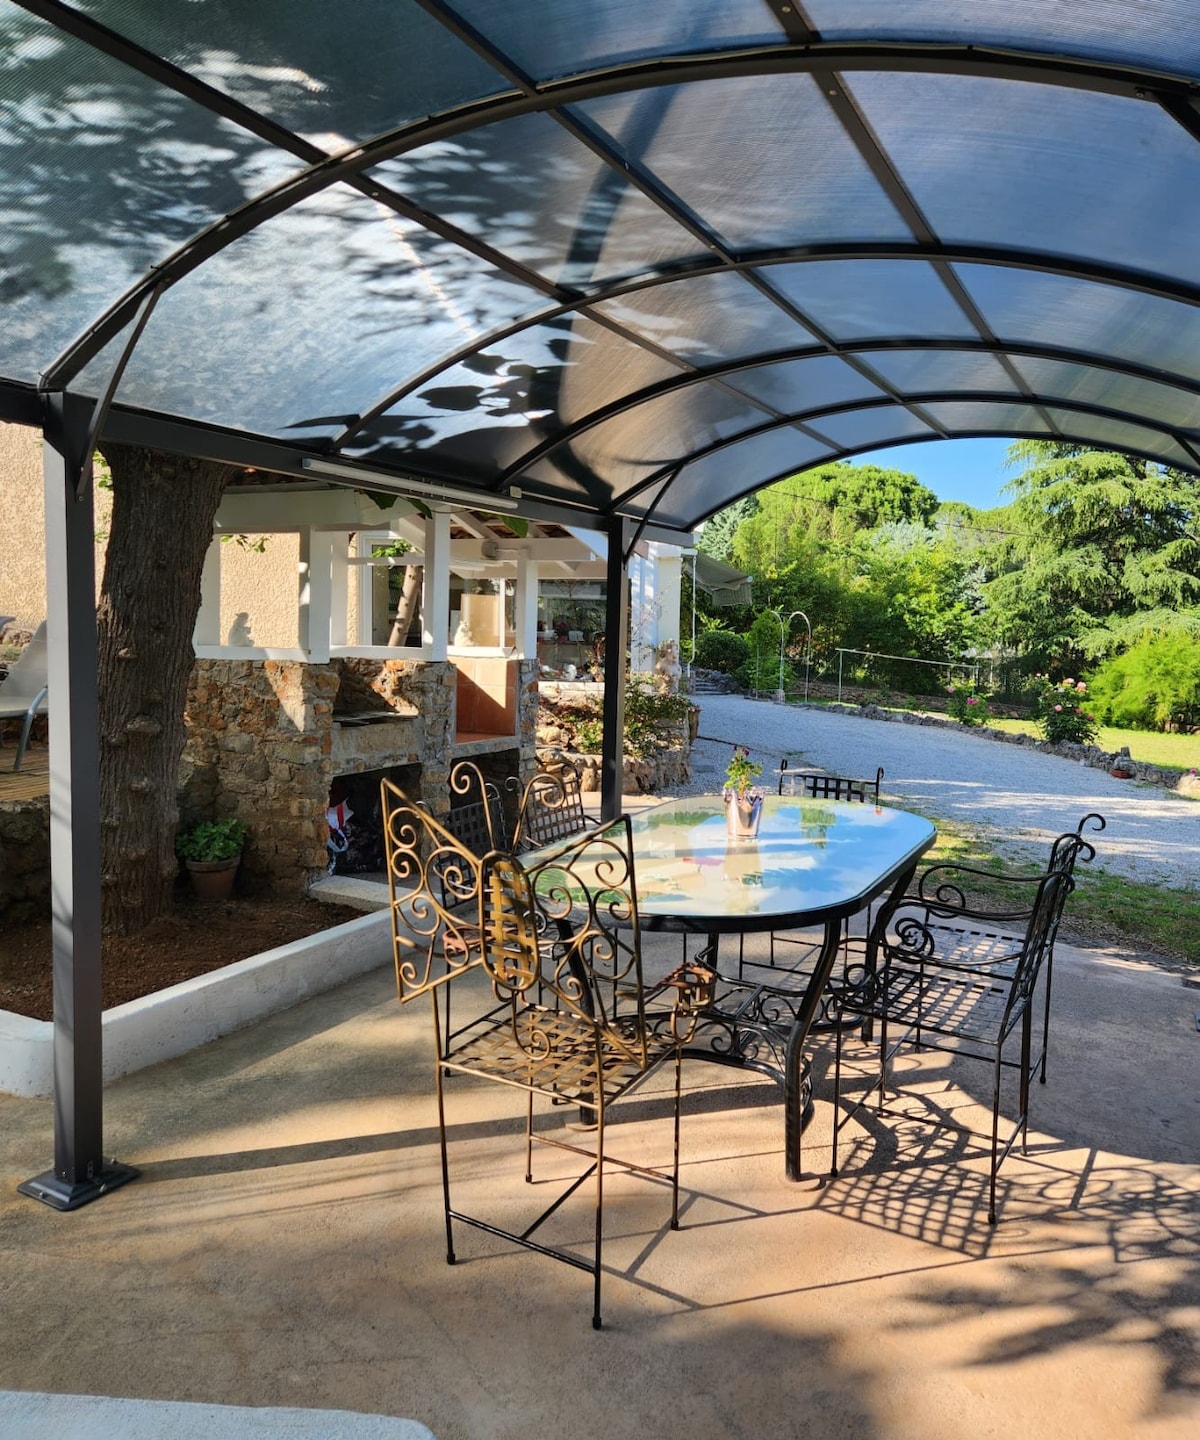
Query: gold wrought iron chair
(573, 1020)
(476, 816)
(551, 809)
(956, 975)
(434, 885)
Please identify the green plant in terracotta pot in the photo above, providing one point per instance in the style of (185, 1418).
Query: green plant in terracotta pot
(211, 852)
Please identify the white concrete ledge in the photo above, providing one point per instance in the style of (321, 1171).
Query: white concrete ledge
(171, 1022)
(32, 1415)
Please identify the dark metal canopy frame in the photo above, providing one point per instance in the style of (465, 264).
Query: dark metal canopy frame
(620, 263)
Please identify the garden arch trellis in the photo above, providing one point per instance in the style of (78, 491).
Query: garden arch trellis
(631, 262)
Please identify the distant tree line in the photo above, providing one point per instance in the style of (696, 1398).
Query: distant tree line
(1092, 567)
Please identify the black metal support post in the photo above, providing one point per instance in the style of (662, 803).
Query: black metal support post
(80, 1173)
(616, 644)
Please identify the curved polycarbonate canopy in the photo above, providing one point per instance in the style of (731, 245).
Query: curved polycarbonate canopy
(637, 259)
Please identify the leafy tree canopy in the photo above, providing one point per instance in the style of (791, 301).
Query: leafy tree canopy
(1102, 550)
(801, 515)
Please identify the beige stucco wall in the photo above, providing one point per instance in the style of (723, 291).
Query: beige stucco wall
(263, 584)
(23, 527)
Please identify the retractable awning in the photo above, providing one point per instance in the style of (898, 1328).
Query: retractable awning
(722, 583)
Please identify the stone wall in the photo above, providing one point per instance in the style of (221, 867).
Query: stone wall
(265, 743)
(24, 860)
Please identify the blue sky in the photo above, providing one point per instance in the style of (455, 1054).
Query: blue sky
(969, 470)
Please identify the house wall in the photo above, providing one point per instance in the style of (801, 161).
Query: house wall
(23, 527)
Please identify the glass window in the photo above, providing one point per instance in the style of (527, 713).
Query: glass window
(963, 416)
(926, 371)
(334, 74)
(706, 485)
(105, 175)
(1051, 379)
(796, 386)
(728, 148)
(1162, 35)
(289, 329)
(1119, 435)
(860, 428)
(1025, 306)
(532, 190)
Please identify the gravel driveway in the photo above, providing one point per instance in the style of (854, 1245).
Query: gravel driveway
(1018, 799)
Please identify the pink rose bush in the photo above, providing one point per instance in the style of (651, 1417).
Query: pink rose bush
(1058, 709)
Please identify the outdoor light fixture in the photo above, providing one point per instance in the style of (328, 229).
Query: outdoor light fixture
(476, 499)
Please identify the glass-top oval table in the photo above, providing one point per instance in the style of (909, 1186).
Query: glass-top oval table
(813, 863)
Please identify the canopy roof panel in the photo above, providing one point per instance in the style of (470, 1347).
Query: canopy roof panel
(625, 259)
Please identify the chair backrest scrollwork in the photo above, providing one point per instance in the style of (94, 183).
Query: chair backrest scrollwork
(551, 809)
(434, 885)
(563, 946)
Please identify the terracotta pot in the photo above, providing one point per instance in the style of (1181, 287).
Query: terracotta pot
(213, 879)
(1118, 772)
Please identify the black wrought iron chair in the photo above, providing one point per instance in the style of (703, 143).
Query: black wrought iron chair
(970, 945)
(573, 1020)
(817, 785)
(957, 976)
(551, 809)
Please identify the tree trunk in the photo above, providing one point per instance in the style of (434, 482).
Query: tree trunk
(161, 528)
(407, 604)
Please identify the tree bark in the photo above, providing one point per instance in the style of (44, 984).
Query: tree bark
(161, 528)
(407, 604)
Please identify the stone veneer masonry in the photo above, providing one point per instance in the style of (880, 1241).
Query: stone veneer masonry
(264, 744)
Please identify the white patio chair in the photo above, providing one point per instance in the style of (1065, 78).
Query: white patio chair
(23, 692)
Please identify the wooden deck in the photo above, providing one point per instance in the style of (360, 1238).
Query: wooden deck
(32, 780)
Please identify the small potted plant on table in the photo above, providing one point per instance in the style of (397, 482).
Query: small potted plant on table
(211, 852)
(743, 799)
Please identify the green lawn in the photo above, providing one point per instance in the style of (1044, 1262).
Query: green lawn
(1171, 752)
(1106, 908)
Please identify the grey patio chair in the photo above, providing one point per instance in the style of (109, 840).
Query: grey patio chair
(24, 690)
(956, 976)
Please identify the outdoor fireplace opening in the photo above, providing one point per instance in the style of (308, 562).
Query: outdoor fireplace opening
(355, 818)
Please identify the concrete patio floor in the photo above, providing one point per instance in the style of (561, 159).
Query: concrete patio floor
(284, 1245)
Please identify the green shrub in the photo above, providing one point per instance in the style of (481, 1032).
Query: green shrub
(589, 737)
(1153, 686)
(721, 650)
(967, 704)
(1059, 710)
(212, 840)
(647, 713)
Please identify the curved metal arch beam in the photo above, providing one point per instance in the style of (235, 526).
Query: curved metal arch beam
(862, 348)
(1128, 81)
(896, 444)
(811, 420)
(1068, 268)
